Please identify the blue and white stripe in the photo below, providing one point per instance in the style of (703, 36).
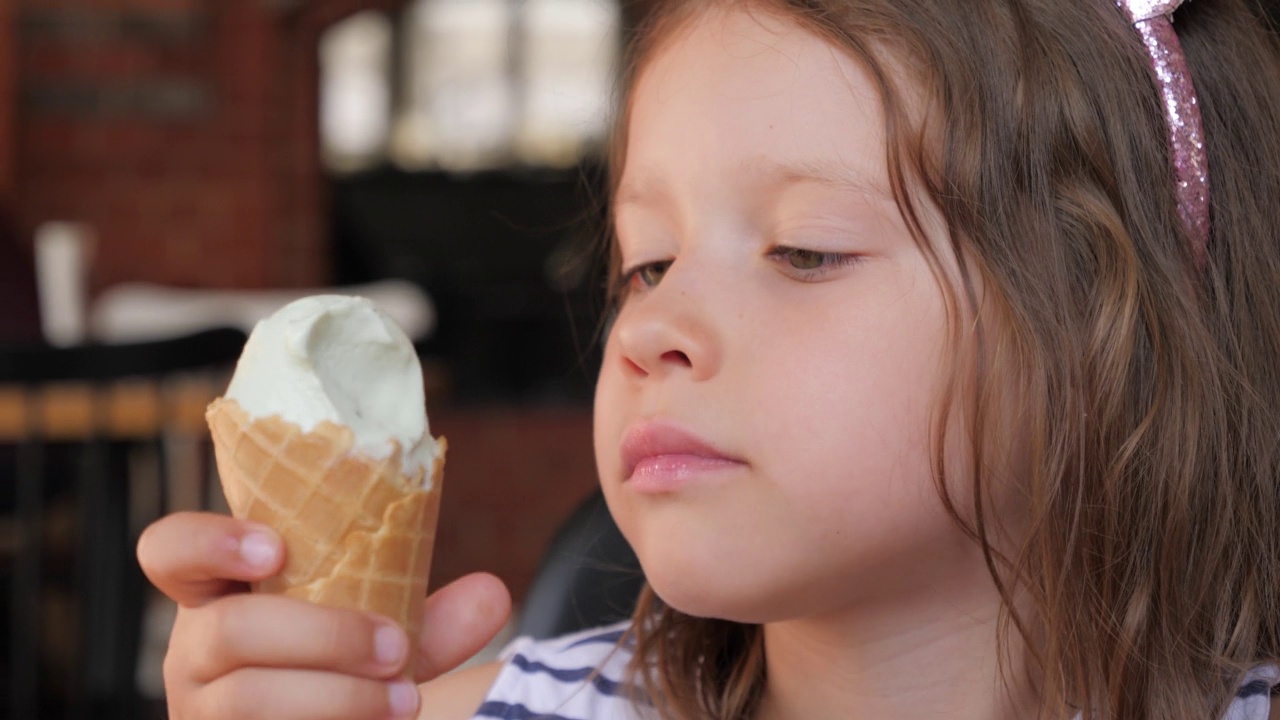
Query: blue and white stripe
(1253, 700)
(580, 677)
(575, 677)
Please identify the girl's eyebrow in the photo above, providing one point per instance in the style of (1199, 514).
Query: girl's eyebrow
(828, 172)
(636, 191)
(641, 187)
(645, 186)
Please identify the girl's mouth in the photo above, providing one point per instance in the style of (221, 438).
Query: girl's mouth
(660, 457)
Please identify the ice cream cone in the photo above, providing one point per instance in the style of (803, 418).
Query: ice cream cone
(358, 531)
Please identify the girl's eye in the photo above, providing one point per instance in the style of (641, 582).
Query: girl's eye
(805, 259)
(811, 263)
(647, 275)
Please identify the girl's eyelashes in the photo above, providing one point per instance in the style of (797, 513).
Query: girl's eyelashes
(804, 265)
(811, 265)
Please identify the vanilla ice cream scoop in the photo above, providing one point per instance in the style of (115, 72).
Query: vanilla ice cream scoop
(340, 359)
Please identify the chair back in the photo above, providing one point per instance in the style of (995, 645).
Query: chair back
(588, 577)
(96, 441)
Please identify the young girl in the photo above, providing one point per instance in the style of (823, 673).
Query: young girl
(942, 383)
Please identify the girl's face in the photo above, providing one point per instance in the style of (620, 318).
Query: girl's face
(763, 412)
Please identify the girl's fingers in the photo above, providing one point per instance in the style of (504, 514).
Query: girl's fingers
(458, 621)
(243, 630)
(276, 694)
(198, 557)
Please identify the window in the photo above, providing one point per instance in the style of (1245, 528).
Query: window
(571, 54)
(484, 84)
(355, 91)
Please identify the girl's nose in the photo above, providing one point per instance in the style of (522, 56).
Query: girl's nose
(665, 333)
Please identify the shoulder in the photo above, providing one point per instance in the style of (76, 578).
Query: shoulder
(596, 647)
(575, 677)
(1255, 700)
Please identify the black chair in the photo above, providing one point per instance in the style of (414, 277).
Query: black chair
(88, 467)
(588, 576)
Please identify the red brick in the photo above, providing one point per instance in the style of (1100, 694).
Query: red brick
(8, 90)
(48, 60)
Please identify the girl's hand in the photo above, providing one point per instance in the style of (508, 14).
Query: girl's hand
(233, 654)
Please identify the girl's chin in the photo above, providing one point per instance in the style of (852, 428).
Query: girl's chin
(713, 595)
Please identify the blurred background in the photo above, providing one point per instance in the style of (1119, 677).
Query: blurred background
(171, 171)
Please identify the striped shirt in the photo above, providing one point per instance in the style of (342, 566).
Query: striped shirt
(579, 677)
(575, 677)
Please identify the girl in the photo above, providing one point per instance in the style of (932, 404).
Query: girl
(941, 384)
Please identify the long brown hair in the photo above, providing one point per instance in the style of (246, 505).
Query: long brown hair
(1147, 578)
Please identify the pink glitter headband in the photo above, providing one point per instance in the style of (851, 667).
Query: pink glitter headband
(1154, 21)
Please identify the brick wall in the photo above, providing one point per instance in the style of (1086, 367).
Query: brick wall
(8, 78)
(182, 130)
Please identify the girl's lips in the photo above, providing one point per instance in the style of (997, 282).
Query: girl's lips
(663, 455)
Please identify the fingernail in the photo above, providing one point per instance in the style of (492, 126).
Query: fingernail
(403, 699)
(389, 645)
(258, 549)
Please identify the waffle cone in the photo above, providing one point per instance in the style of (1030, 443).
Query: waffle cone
(358, 531)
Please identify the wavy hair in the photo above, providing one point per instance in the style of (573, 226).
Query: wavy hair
(1146, 580)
